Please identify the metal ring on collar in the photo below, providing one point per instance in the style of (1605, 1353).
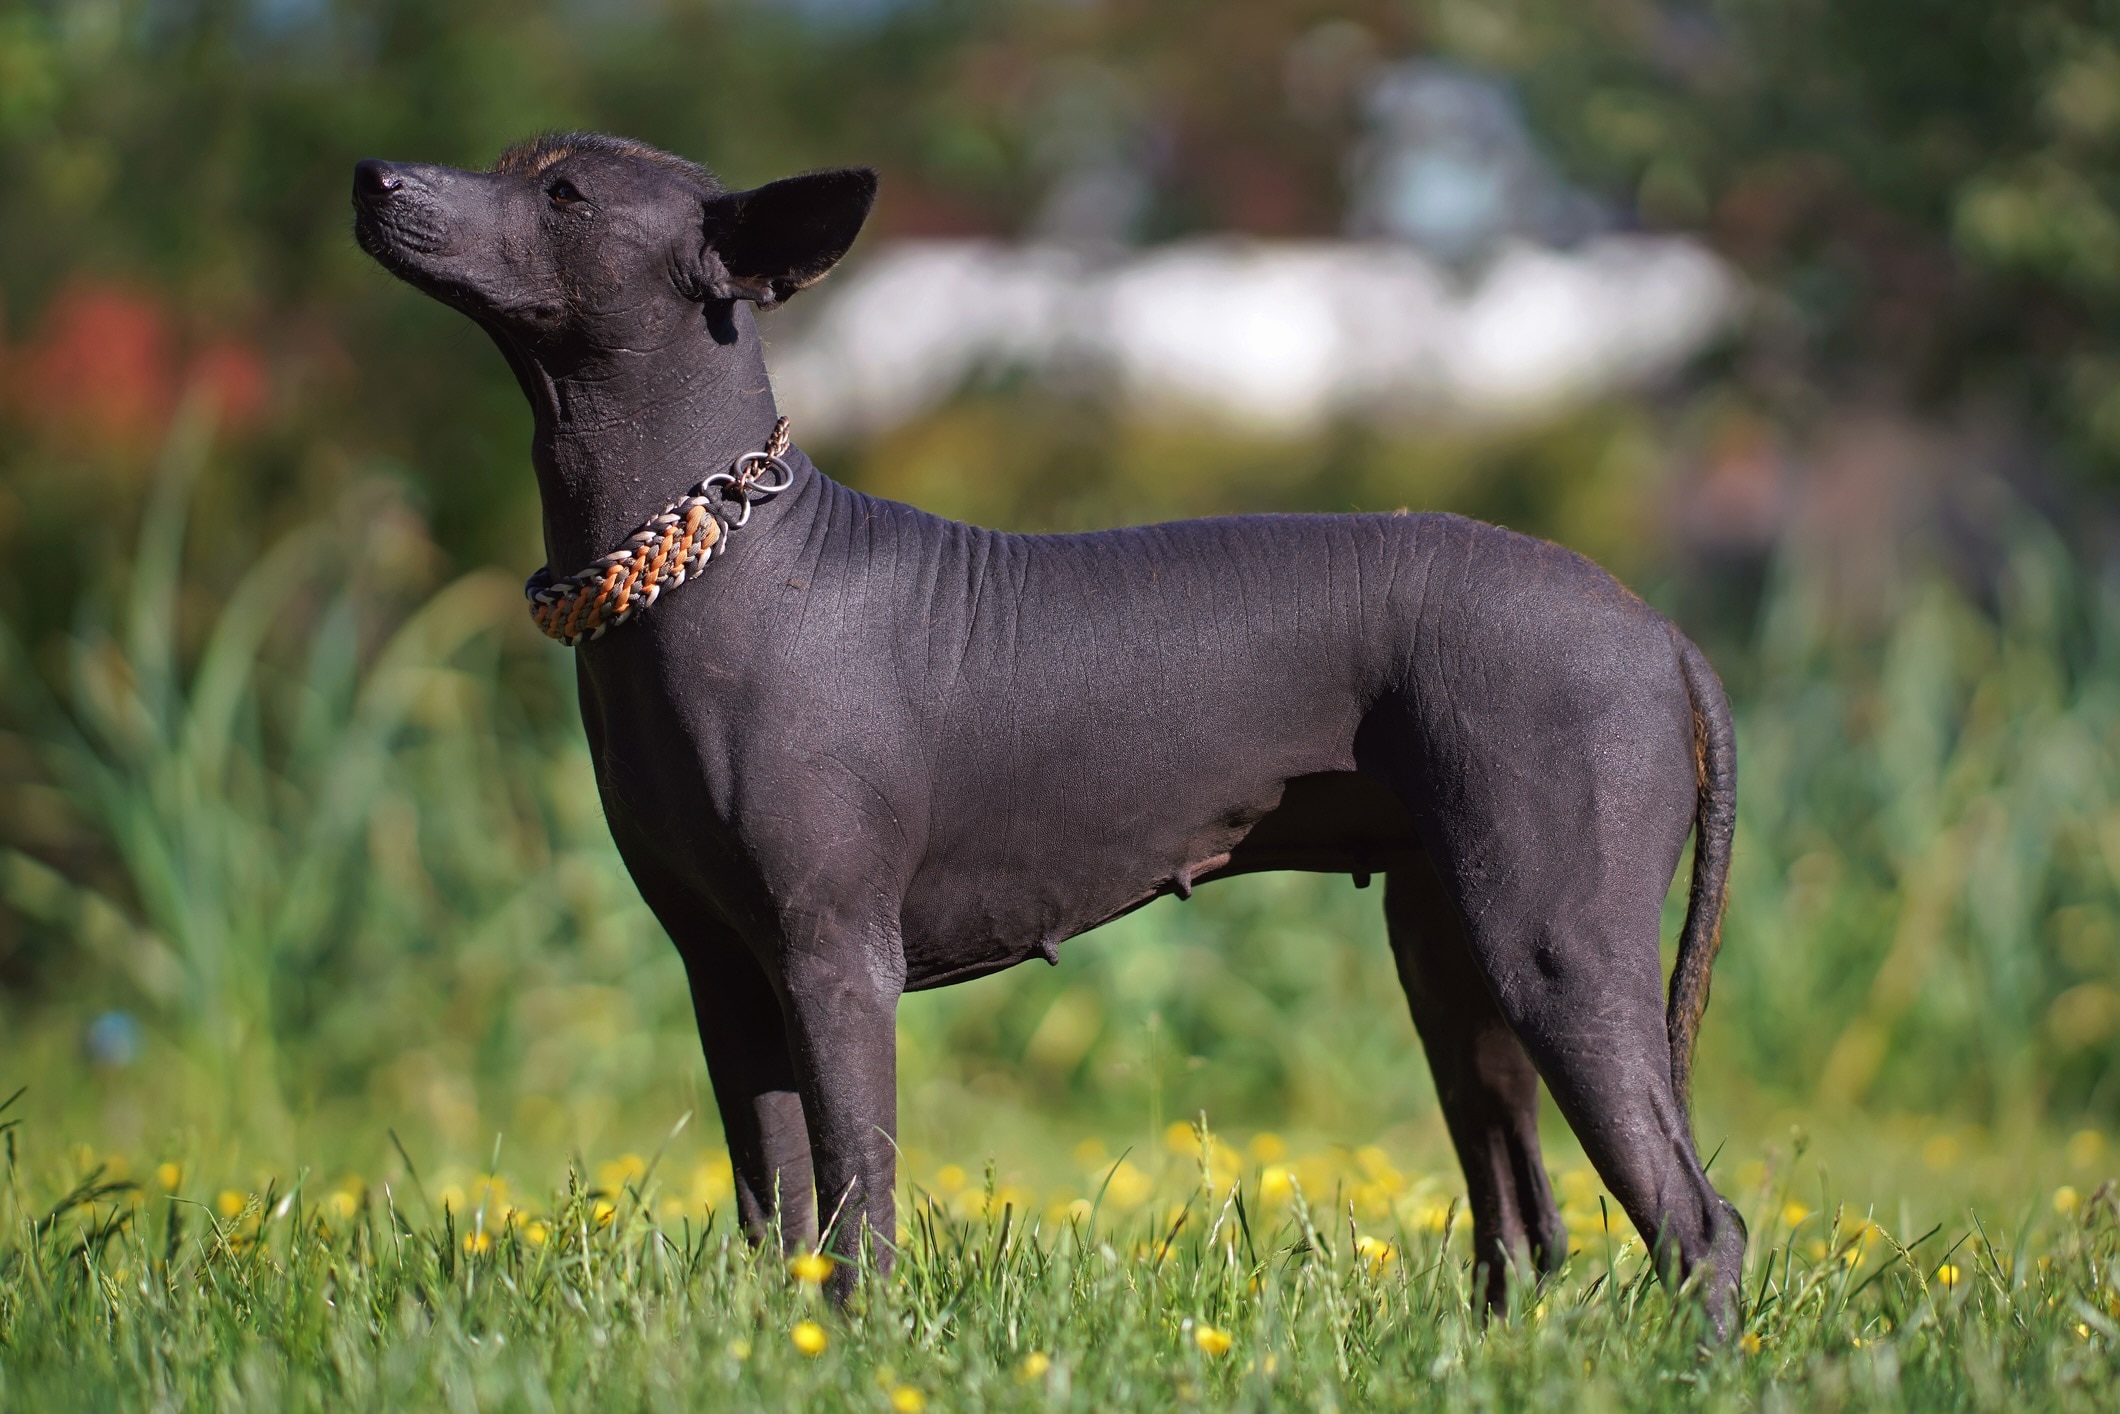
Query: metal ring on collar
(744, 485)
(749, 479)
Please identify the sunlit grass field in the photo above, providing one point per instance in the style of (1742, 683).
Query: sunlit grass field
(1213, 1274)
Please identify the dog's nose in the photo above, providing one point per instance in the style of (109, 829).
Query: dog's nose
(373, 178)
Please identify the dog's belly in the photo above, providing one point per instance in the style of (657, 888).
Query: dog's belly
(983, 915)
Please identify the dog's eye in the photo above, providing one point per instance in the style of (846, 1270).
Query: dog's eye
(563, 194)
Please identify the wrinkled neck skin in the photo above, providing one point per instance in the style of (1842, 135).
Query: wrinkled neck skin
(623, 428)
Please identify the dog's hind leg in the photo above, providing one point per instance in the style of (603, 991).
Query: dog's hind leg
(1485, 1081)
(1560, 875)
(1554, 749)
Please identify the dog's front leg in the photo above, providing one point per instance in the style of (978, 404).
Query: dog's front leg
(744, 1034)
(842, 1007)
(743, 1031)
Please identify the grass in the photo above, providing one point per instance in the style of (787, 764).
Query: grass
(1226, 1287)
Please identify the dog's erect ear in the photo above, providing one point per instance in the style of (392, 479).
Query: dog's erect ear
(766, 243)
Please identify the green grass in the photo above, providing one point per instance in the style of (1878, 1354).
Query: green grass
(1218, 1292)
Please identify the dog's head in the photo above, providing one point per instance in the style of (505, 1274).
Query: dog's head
(584, 235)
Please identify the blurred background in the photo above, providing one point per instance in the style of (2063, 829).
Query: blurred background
(1799, 316)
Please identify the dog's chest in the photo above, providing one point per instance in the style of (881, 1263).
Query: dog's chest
(662, 769)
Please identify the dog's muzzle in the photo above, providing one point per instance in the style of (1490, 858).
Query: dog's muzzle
(376, 180)
(394, 214)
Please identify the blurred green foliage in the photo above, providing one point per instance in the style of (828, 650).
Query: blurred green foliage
(1924, 191)
(346, 874)
(314, 804)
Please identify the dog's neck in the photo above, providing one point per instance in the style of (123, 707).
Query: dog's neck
(623, 432)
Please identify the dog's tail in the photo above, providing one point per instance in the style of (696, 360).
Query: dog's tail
(1714, 827)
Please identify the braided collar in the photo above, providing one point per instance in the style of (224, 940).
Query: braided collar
(670, 547)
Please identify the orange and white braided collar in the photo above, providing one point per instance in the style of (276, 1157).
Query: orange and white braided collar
(673, 545)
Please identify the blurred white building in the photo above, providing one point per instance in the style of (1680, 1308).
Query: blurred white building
(1471, 291)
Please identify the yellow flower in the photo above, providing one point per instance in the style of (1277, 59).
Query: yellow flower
(1128, 1187)
(2066, 1199)
(1376, 1164)
(1275, 1185)
(614, 1176)
(1748, 1343)
(229, 1203)
(1268, 1147)
(1212, 1340)
(1948, 1275)
(168, 1175)
(1378, 1252)
(809, 1338)
(907, 1400)
(949, 1178)
(604, 1210)
(536, 1232)
(713, 1182)
(478, 1242)
(344, 1205)
(1034, 1366)
(811, 1267)
(1793, 1213)
(739, 1349)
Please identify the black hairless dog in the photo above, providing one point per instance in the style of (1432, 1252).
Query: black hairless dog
(871, 750)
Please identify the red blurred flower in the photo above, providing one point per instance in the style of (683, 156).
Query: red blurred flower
(103, 372)
(100, 369)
